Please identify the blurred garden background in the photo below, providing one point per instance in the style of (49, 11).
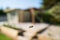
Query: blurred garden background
(49, 13)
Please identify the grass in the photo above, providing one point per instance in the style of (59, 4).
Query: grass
(4, 37)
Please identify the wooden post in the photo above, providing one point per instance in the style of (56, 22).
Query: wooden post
(33, 15)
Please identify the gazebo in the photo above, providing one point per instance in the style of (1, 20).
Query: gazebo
(17, 16)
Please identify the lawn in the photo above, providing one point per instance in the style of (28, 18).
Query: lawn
(4, 37)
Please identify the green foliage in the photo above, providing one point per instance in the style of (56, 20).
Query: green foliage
(55, 12)
(53, 19)
(4, 37)
(49, 3)
(2, 13)
(51, 15)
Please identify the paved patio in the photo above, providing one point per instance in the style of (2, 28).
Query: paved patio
(52, 32)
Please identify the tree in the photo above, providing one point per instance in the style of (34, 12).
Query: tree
(49, 3)
(2, 13)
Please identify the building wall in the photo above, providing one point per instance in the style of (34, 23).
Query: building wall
(25, 16)
(12, 17)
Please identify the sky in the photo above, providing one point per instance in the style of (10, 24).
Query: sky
(22, 4)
